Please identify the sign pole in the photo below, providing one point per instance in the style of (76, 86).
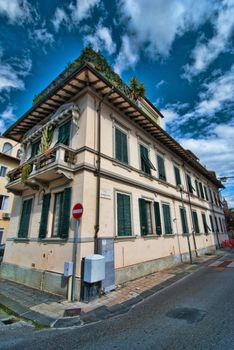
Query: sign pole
(74, 261)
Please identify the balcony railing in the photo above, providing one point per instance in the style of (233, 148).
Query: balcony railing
(60, 155)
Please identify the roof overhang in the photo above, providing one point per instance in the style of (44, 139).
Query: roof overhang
(88, 76)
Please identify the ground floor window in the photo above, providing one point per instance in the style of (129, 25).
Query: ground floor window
(56, 228)
(1, 235)
(167, 219)
(145, 217)
(4, 201)
(205, 226)
(212, 223)
(184, 220)
(25, 218)
(124, 226)
(195, 222)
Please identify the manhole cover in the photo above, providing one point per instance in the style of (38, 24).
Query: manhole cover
(190, 315)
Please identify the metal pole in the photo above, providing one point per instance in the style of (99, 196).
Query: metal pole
(74, 261)
(189, 247)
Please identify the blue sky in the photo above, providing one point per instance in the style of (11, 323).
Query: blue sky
(181, 49)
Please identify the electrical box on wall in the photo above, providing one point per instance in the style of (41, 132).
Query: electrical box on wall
(68, 268)
(106, 248)
(94, 268)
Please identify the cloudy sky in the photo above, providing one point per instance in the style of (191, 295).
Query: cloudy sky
(181, 49)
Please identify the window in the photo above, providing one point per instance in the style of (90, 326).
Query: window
(121, 146)
(35, 148)
(216, 224)
(167, 218)
(215, 199)
(161, 168)
(189, 184)
(1, 235)
(212, 223)
(157, 219)
(201, 190)
(7, 148)
(64, 133)
(211, 196)
(4, 202)
(3, 171)
(25, 218)
(145, 217)
(220, 225)
(184, 221)
(195, 222)
(124, 226)
(205, 226)
(61, 214)
(197, 188)
(206, 194)
(146, 164)
(177, 176)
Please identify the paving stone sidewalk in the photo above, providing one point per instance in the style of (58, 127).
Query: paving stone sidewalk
(49, 310)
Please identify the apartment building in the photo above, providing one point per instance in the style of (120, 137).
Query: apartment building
(86, 140)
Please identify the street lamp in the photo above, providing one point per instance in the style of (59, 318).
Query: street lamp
(181, 188)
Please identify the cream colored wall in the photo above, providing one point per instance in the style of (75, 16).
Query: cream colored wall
(10, 163)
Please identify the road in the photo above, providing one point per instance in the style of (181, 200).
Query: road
(196, 312)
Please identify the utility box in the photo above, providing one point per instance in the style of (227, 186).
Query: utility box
(68, 268)
(106, 248)
(94, 268)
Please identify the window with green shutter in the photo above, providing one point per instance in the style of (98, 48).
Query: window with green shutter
(197, 188)
(61, 213)
(184, 221)
(206, 194)
(216, 224)
(212, 223)
(157, 219)
(64, 133)
(220, 225)
(167, 219)
(121, 146)
(44, 215)
(201, 190)
(145, 217)
(35, 148)
(205, 226)
(124, 226)
(189, 184)
(146, 164)
(177, 176)
(195, 222)
(161, 168)
(25, 218)
(211, 196)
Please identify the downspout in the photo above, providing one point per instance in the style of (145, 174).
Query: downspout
(216, 229)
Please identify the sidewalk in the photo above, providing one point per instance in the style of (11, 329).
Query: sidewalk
(53, 311)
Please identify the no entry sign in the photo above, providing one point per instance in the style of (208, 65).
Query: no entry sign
(77, 211)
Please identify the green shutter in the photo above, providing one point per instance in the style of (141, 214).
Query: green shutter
(167, 219)
(146, 164)
(64, 133)
(184, 221)
(220, 225)
(206, 194)
(204, 223)
(195, 222)
(161, 168)
(189, 183)
(124, 215)
(197, 189)
(121, 150)
(211, 196)
(212, 224)
(66, 208)
(157, 218)
(201, 190)
(44, 215)
(25, 218)
(143, 217)
(177, 175)
(35, 148)
(216, 224)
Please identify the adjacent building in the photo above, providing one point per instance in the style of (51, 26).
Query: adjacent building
(145, 197)
(9, 159)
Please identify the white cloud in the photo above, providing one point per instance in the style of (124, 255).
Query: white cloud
(7, 117)
(16, 11)
(154, 25)
(206, 52)
(101, 39)
(73, 14)
(160, 83)
(13, 72)
(127, 57)
(41, 36)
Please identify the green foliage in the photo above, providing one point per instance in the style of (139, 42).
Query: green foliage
(138, 89)
(46, 139)
(26, 171)
(99, 62)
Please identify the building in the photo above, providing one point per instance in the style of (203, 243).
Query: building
(9, 159)
(86, 139)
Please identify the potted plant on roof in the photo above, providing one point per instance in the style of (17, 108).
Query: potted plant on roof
(46, 140)
(137, 89)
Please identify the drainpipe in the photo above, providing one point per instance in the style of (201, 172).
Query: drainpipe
(188, 240)
(98, 171)
(216, 231)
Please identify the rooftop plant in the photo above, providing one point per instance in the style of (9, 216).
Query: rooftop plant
(99, 62)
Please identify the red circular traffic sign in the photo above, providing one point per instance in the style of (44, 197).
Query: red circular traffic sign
(77, 211)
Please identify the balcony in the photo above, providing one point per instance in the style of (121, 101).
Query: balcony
(58, 162)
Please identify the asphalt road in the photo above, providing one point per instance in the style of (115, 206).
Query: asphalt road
(196, 312)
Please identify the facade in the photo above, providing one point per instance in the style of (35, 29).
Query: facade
(9, 159)
(141, 191)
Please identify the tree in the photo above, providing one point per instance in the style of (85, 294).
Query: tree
(138, 89)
